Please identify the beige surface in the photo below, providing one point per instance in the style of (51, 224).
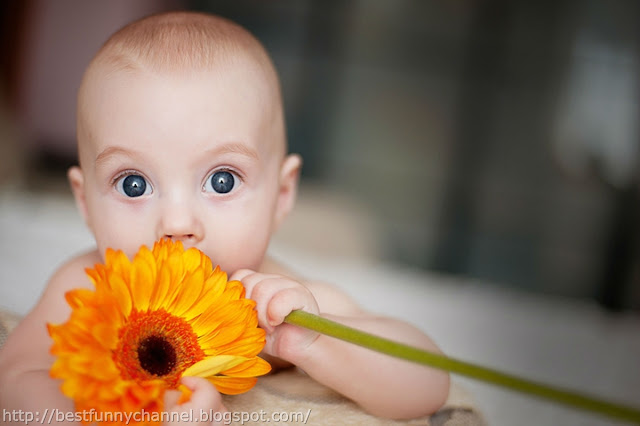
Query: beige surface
(8, 321)
(293, 393)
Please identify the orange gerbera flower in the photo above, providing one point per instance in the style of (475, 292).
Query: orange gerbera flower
(150, 321)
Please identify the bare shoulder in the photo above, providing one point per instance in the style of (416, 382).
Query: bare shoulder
(330, 299)
(72, 273)
(28, 344)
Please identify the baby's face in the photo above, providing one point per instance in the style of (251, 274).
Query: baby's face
(195, 157)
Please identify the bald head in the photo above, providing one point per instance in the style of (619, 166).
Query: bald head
(179, 43)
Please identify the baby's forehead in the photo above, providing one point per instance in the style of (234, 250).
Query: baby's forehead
(196, 89)
(180, 45)
(241, 75)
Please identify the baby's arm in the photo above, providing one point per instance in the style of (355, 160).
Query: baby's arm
(382, 385)
(25, 384)
(25, 360)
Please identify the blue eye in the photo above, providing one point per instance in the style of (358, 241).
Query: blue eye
(221, 182)
(133, 186)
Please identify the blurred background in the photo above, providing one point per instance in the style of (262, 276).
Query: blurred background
(490, 139)
(471, 167)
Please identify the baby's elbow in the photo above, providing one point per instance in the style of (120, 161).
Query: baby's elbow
(421, 399)
(6, 365)
(14, 364)
(439, 392)
(433, 397)
(7, 375)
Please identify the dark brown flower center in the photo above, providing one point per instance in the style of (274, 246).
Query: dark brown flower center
(156, 355)
(156, 345)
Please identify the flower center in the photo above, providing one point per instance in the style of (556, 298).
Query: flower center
(156, 355)
(156, 345)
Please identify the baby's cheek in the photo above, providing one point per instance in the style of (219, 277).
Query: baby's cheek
(243, 247)
(235, 258)
(122, 227)
(127, 238)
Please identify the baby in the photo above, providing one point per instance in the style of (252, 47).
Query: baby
(181, 135)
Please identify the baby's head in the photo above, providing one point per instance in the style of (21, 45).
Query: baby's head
(181, 135)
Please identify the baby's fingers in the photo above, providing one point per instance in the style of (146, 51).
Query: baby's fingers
(264, 292)
(250, 279)
(204, 406)
(287, 300)
(240, 274)
(204, 394)
(171, 398)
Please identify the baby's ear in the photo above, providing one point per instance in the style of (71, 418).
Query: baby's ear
(76, 179)
(289, 175)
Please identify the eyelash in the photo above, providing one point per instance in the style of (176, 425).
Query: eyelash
(121, 176)
(130, 172)
(126, 173)
(234, 172)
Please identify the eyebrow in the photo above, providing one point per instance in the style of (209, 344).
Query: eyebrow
(111, 151)
(233, 147)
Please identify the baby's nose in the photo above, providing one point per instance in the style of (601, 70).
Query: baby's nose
(183, 238)
(179, 222)
(188, 238)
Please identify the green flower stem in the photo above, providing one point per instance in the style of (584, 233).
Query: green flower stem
(566, 397)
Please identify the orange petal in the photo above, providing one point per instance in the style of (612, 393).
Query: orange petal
(215, 284)
(250, 346)
(141, 284)
(118, 261)
(185, 394)
(121, 292)
(214, 365)
(79, 297)
(192, 259)
(250, 368)
(190, 290)
(162, 287)
(233, 385)
(106, 334)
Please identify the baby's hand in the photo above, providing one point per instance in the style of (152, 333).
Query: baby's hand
(201, 408)
(276, 296)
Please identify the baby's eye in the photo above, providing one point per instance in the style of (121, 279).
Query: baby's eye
(133, 186)
(221, 182)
